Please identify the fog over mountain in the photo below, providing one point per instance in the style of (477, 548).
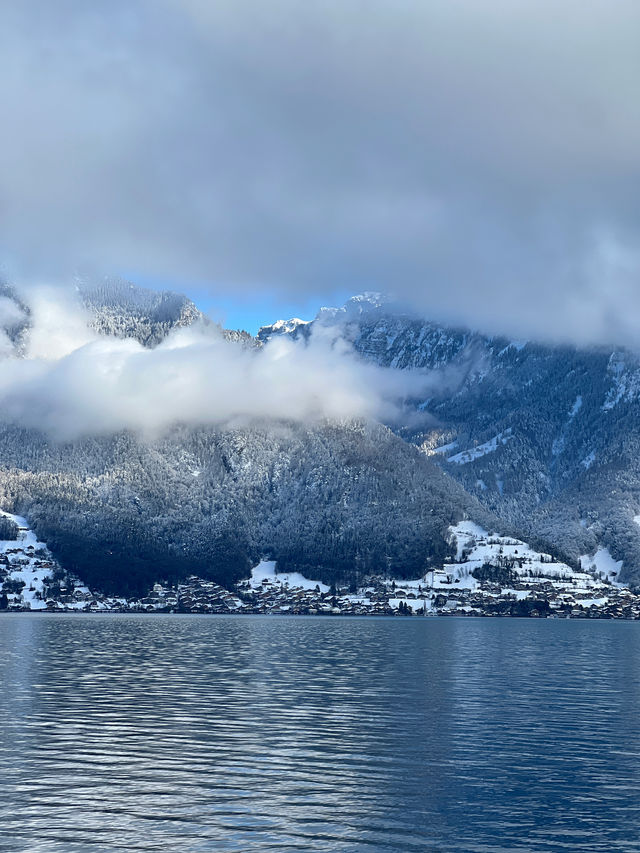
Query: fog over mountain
(69, 379)
(203, 451)
(339, 447)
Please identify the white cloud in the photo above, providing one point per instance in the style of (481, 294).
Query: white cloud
(73, 382)
(11, 314)
(58, 326)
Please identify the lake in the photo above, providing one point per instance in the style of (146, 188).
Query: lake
(204, 733)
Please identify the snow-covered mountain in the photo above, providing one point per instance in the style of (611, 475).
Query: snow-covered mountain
(126, 310)
(527, 440)
(333, 501)
(547, 437)
(282, 327)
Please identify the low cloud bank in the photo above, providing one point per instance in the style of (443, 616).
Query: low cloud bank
(73, 382)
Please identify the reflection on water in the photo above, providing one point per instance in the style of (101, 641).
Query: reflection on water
(221, 733)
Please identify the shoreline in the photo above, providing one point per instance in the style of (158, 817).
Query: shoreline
(271, 615)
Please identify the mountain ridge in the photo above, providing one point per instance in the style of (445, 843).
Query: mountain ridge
(529, 439)
(568, 470)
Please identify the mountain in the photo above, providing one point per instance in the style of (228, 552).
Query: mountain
(14, 321)
(336, 501)
(126, 310)
(546, 437)
(117, 308)
(524, 439)
(292, 327)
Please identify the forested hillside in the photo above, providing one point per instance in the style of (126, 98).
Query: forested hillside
(336, 501)
(125, 310)
(547, 437)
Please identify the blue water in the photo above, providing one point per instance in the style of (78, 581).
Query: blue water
(200, 733)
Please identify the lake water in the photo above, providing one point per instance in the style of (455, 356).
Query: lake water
(200, 733)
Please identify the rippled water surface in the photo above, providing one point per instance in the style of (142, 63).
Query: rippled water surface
(221, 733)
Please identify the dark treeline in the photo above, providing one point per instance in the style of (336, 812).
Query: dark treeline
(8, 529)
(337, 502)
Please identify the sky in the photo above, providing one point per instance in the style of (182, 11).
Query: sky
(259, 309)
(479, 159)
(235, 309)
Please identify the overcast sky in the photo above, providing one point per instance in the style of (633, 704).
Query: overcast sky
(480, 158)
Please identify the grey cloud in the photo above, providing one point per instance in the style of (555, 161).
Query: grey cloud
(479, 159)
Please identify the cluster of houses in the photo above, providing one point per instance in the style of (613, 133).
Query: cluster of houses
(193, 595)
(533, 597)
(556, 591)
(489, 576)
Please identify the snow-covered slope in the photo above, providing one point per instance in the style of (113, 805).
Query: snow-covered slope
(475, 548)
(543, 435)
(282, 327)
(28, 570)
(479, 450)
(264, 574)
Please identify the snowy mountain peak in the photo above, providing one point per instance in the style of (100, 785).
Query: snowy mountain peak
(281, 327)
(369, 299)
(355, 308)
